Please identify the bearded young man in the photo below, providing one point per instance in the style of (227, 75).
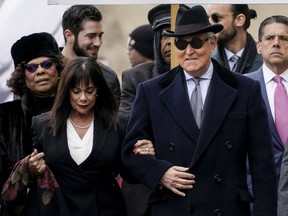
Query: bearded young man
(82, 30)
(234, 41)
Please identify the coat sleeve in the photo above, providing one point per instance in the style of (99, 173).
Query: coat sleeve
(127, 97)
(146, 168)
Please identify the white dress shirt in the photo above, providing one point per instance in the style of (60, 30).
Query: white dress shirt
(271, 85)
(79, 148)
(204, 83)
(229, 54)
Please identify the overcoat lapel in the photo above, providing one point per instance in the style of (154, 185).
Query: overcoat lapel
(175, 96)
(217, 105)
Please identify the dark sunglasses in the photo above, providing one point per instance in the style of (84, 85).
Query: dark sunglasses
(195, 43)
(45, 64)
(216, 17)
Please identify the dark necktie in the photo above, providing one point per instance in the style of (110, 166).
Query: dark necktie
(281, 109)
(196, 102)
(234, 59)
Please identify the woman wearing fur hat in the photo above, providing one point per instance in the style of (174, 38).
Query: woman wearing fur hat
(72, 170)
(38, 65)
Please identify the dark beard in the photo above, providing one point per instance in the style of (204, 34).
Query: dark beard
(78, 51)
(227, 38)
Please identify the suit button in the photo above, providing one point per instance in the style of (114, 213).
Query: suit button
(217, 212)
(171, 146)
(228, 144)
(217, 178)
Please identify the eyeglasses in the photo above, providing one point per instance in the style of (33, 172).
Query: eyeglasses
(195, 43)
(45, 64)
(216, 17)
(130, 48)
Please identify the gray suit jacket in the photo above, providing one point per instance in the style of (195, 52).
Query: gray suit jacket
(278, 148)
(283, 187)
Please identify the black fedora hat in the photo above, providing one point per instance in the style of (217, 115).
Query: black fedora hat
(192, 21)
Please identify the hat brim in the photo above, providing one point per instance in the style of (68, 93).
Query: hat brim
(160, 25)
(212, 28)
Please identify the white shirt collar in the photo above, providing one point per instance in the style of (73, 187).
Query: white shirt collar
(207, 75)
(229, 54)
(269, 74)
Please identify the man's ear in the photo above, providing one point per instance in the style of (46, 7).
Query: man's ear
(213, 43)
(258, 44)
(240, 20)
(69, 36)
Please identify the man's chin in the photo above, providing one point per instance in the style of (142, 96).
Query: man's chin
(94, 56)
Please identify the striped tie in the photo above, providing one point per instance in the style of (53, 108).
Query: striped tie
(234, 59)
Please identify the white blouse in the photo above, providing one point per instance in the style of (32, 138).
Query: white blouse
(79, 148)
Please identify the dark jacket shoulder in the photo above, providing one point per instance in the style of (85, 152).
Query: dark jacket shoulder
(143, 67)
(111, 79)
(139, 73)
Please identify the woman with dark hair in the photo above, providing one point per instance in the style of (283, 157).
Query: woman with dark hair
(81, 145)
(38, 65)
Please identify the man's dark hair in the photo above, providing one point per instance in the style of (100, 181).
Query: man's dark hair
(270, 20)
(244, 9)
(74, 16)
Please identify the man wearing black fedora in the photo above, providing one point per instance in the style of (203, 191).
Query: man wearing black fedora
(203, 121)
(159, 17)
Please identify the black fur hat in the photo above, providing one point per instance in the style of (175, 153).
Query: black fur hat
(34, 46)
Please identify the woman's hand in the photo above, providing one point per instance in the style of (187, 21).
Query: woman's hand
(36, 163)
(144, 147)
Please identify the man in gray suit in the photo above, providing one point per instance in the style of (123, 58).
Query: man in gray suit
(273, 46)
(280, 27)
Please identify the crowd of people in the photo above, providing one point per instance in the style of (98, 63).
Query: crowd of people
(207, 137)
